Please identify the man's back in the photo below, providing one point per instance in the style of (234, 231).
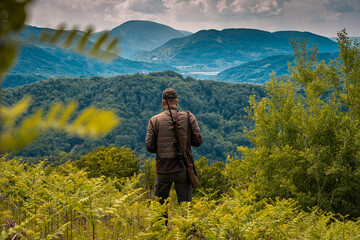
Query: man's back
(160, 138)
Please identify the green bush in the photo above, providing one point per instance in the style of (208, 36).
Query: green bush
(113, 162)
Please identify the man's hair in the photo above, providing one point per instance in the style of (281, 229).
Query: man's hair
(169, 93)
(172, 101)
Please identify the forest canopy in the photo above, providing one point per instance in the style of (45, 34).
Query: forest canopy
(218, 107)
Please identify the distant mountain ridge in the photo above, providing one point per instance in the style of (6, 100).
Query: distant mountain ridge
(138, 36)
(36, 62)
(257, 72)
(135, 35)
(211, 50)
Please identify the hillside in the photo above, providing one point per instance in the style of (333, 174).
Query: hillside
(219, 108)
(257, 72)
(213, 50)
(137, 36)
(39, 62)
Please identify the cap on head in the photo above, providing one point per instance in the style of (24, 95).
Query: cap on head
(170, 93)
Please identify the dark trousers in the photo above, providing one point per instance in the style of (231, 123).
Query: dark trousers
(182, 186)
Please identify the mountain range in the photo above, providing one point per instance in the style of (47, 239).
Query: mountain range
(38, 61)
(258, 72)
(153, 47)
(212, 50)
(135, 35)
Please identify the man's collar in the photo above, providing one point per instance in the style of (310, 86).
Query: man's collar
(172, 108)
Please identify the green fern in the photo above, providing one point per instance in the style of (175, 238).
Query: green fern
(65, 203)
(91, 122)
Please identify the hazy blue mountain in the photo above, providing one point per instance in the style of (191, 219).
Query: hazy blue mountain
(213, 50)
(137, 36)
(31, 34)
(325, 44)
(351, 38)
(257, 72)
(185, 33)
(38, 62)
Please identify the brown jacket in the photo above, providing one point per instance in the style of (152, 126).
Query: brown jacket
(160, 138)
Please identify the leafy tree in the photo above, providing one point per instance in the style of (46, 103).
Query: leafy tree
(211, 176)
(113, 162)
(148, 177)
(306, 135)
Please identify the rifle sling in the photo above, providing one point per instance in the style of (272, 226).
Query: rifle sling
(194, 181)
(187, 163)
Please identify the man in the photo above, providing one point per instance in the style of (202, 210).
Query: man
(160, 139)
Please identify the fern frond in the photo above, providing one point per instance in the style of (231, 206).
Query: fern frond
(91, 122)
(55, 38)
(14, 112)
(70, 38)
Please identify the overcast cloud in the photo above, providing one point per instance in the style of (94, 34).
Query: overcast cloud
(325, 17)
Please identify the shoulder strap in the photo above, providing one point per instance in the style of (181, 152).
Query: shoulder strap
(194, 181)
(180, 141)
(188, 134)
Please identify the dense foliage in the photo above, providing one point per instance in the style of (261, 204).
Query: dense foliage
(307, 146)
(218, 107)
(110, 162)
(41, 203)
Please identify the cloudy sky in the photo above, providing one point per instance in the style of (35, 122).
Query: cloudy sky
(324, 17)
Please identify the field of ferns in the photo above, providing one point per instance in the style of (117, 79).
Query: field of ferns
(38, 202)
